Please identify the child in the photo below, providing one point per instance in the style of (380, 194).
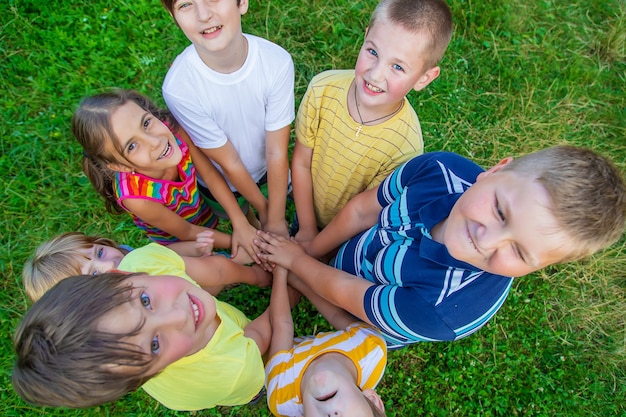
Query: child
(354, 127)
(233, 94)
(74, 253)
(140, 161)
(89, 341)
(441, 238)
(332, 373)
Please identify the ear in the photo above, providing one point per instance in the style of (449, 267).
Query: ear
(374, 398)
(243, 6)
(497, 167)
(427, 78)
(114, 166)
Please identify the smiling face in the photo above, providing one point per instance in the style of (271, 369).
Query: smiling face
(504, 224)
(213, 26)
(99, 259)
(146, 144)
(174, 317)
(389, 65)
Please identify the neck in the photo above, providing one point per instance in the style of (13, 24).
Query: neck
(371, 116)
(228, 59)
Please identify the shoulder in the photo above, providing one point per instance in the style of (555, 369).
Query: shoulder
(332, 77)
(265, 47)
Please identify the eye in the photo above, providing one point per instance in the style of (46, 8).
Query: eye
(397, 67)
(183, 5)
(131, 147)
(95, 272)
(499, 211)
(146, 123)
(99, 253)
(372, 52)
(155, 346)
(145, 300)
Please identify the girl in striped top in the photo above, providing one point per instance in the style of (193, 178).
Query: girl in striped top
(331, 373)
(139, 159)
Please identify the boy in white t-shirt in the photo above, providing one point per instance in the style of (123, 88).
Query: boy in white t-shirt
(233, 94)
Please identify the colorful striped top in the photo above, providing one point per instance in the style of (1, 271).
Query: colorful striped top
(182, 197)
(360, 342)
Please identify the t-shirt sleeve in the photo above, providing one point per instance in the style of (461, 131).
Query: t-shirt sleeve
(307, 119)
(280, 103)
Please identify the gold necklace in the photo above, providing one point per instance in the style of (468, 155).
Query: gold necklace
(356, 103)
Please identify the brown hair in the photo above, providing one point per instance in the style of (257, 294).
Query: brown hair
(169, 5)
(91, 126)
(432, 17)
(56, 259)
(588, 194)
(62, 358)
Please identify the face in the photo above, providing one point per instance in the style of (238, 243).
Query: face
(386, 69)
(148, 146)
(99, 259)
(329, 393)
(211, 25)
(504, 224)
(175, 317)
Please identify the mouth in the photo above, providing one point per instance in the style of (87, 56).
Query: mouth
(471, 241)
(165, 152)
(211, 30)
(373, 88)
(196, 310)
(326, 397)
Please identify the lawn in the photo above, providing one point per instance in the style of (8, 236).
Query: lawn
(518, 76)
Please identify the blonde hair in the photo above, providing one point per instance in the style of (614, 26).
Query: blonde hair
(430, 17)
(57, 259)
(588, 194)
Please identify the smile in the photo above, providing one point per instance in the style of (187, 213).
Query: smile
(211, 30)
(165, 152)
(373, 88)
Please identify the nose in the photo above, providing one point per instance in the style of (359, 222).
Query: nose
(377, 71)
(491, 237)
(204, 11)
(103, 265)
(171, 317)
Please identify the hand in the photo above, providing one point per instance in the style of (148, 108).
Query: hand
(244, 235)
(204, 243)
(278, 250)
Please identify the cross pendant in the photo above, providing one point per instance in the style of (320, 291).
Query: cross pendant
(358, 130)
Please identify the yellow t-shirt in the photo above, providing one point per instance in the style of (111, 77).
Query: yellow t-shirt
(227, 371)
(345, 163)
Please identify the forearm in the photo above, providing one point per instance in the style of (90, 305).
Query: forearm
(303, 189)
(277, 178)
(280, 313)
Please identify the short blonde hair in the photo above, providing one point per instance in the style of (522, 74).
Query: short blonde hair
(57, 259)
(588, 194)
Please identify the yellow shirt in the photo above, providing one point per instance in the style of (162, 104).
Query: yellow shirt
(227, 371)
(344, 163)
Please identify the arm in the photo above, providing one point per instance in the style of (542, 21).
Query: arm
(157, 215)
(277, 158)
(243, 232)
(280, 314)
(230, 162)
(214, 272)
(335, 286)
(358, 215)
(303, 192)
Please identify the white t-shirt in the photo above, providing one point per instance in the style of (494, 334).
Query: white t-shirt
(241, 106)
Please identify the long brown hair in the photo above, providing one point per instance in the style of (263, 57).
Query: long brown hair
(91, 126)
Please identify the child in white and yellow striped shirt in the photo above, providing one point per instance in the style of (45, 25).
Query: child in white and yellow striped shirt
(327, 374)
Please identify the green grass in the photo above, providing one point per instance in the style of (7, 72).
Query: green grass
(518, 76)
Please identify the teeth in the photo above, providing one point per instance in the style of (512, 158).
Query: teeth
(373, 88)
(167, 149)
(196, 313)
(211, 30)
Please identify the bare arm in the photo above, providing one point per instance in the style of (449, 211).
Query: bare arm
(243, 232)
(157, 215)
(228, 159)
(303, 192)
(277, 158)
(280, 314)
(358, 215)
(335, 286)
(214, 272)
